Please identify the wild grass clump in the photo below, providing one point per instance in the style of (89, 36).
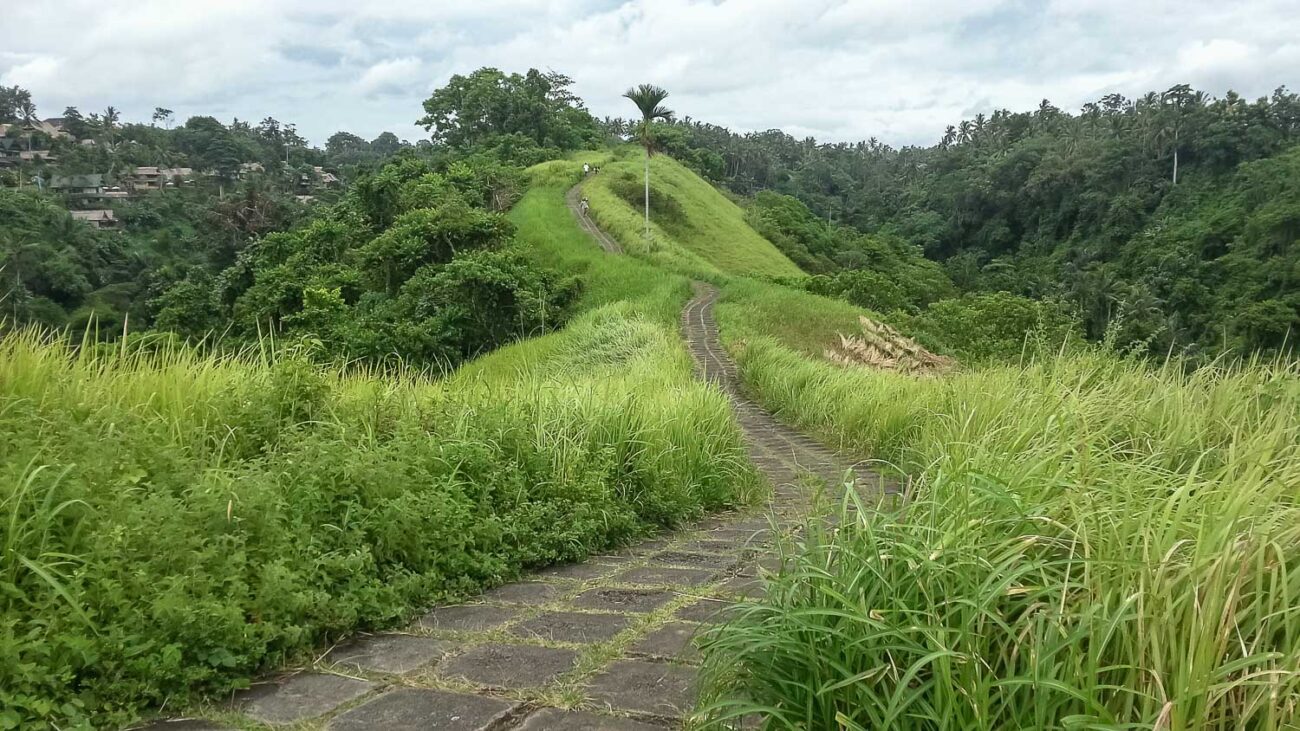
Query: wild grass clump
(1088, 543)
(172, 523)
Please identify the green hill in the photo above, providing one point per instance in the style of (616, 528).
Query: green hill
(693, 227)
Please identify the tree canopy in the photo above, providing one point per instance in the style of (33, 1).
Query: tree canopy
(1167, 221)
(527, 118)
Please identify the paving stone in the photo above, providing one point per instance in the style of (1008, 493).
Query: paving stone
(706, 610)
(743, 586)
(185, 724)
(468, 618)
(770, 564)
(660, 689)
(577, 571)
(524, 592)
(644, 547)
(747, 537)
(554, 719)
(673, 640)
(623, 600)
(510, 666)
(717, 521)
(394, 654)
(300, 697)
(696, 560)
(417, 709)
(663, 576)
(573, 626)
(715, 545)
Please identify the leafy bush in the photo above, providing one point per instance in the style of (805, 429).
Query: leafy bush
(175, 523)
(415, 263)
(997, 326)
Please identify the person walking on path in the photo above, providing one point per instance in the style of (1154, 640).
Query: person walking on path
(586, 169)
(583, 206)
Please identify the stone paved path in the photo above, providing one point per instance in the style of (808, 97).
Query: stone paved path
(607, 243)
(605, 645)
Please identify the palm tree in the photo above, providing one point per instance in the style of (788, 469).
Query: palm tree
(648, 98)
(27, 111)
(109, 120)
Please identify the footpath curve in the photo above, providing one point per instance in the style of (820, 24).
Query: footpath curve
(781, 454)
(573, 199)
(604, 645)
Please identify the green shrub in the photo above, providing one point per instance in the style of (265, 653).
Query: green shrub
(174, 522)
(1087, 542)
(996, 326)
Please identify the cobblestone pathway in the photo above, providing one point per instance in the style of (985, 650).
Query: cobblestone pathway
(604, 645)
(572, 198)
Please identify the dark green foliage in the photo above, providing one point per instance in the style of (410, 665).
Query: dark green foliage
(1169, 221)
(525, 119)
(992, 326)
(879, 272)
(414, 263)
(58, 272)
(50, 265)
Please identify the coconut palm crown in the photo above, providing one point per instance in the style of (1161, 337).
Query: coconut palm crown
(648, 98)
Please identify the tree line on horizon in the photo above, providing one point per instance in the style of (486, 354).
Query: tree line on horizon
(1167, 223)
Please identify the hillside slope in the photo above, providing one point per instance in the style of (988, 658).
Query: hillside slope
(693, 227)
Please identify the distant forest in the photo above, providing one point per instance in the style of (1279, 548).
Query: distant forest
(1169, 222)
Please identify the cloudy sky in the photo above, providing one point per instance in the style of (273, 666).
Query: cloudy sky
(899, 70)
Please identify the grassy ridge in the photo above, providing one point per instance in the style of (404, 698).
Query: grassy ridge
(693, 227)
(1090, 543)
(174, 523)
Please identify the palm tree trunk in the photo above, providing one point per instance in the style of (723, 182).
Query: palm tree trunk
(647, 193)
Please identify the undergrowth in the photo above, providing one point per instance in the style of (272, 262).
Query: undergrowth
(175, 522)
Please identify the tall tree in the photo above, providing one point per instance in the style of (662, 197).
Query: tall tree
(648, 98)
(164, 115)
(12, 99)
(27, 112)
(109, 120)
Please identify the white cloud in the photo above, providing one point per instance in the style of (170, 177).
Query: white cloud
(392, 76)
(899, 70)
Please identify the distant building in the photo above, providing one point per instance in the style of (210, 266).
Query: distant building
(325, 177)
(79, 186)
(144, 179)
(99, 218)
(55, 127)
(176, 176)
(116, 192)
(248, 168)
(11, 149)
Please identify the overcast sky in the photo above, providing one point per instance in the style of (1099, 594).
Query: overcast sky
(839, 70)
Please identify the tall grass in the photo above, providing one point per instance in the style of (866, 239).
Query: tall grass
(174, 522)
(1088, 543)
